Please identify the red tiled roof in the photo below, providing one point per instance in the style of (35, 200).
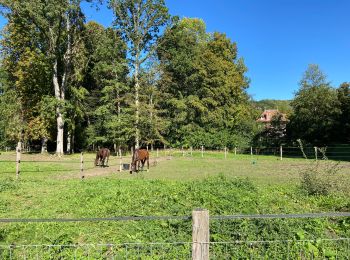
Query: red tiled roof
(267, 116)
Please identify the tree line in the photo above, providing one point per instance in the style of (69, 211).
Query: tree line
(150, 79)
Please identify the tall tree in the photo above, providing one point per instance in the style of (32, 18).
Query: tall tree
(205, 84)
(343, 123)
(139, 21)
(315, 107)
(57, 24)
(108, 114)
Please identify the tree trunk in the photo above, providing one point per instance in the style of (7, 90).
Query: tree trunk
(59, 119)
(69, 142)
(44, 145)
(137, 112)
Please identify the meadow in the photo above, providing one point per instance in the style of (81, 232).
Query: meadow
(51, 187)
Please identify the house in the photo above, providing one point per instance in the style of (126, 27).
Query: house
(267, 116)
(273, 127)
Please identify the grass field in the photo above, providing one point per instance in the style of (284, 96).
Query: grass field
(50, 187)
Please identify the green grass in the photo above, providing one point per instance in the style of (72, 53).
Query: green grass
(177, 185)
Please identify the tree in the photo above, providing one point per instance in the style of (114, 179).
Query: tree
(342, 131)
(139, 22)
(57, 26)
(108, 114)
(204, 83)
(315, 107)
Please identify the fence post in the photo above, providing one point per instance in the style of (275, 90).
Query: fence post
(315, 152)
(225, 152)
(120, 160)
(235, 150)
(183, 152)
(191, 151)
(200, 234)
(18, 159)
(82, 165)
(251, 150)
(202, 151)
(281, 152)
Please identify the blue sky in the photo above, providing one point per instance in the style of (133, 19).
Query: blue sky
(276, 38)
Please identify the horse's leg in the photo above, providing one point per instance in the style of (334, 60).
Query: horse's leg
(96, 160)
(143, 163)
(147, 164)
(136, 166)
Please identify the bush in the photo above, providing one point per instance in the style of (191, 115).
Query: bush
(321, 178)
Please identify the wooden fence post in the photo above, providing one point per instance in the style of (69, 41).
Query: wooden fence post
(200, 234)
(251, 150)
(281, 152)
(202, 151)
(235, 150)
(183, 152)
(225, 152)
(191, 151)
(82, 166)
(18, 159)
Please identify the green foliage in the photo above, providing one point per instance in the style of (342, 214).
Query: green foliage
(203, 84)
(282, 105)
(322, 179)
(342, 127)
(315, 107)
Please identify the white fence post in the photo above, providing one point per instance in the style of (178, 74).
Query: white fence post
(18, 159)
(281, 152)
(225, 152)
(120, 160)
(191, 151)
(235, 150)
(315, 152)
(251, 150)
(200, 234)
(82, 165)
(202, 151)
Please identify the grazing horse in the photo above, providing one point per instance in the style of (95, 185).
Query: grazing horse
(140, 155)
(101, 157)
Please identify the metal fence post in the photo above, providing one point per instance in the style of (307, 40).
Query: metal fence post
(200, 234)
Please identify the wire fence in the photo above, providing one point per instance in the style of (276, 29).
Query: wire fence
(230, 238)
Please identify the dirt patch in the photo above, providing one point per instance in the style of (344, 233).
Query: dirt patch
(110, 170)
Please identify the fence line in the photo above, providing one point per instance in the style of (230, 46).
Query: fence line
(218, 217)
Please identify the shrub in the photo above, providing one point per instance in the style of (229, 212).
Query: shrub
(321, 179)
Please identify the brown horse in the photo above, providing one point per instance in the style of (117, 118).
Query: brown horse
(140, 155)
(101, 157)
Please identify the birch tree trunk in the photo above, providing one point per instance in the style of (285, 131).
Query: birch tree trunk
(59, 118)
